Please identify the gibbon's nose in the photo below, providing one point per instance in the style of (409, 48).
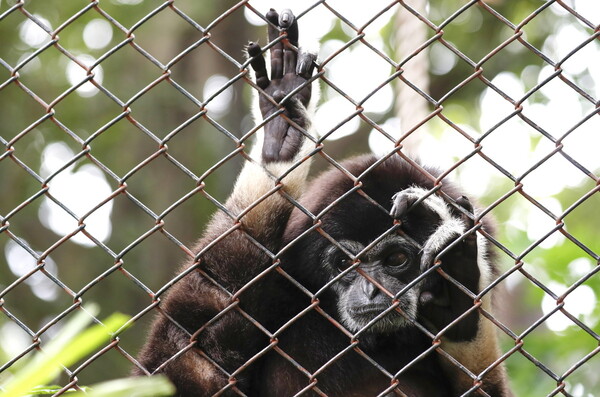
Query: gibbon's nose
(369, 289)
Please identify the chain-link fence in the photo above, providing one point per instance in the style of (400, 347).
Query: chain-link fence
(125, 123)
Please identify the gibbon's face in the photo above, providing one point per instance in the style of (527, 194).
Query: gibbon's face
(361, 227)
(393, 264)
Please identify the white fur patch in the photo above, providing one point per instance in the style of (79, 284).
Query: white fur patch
(444, 234)
(432, 202)
(450, 226)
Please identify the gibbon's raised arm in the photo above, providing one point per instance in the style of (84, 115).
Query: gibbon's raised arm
(201, 334)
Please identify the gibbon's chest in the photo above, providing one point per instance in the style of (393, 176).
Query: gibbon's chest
(342, 370)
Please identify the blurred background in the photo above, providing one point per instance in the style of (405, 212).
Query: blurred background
(113, 113)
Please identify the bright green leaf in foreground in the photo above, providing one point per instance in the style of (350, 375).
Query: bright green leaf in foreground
(69, 347)
(154, 386)
(49, 390)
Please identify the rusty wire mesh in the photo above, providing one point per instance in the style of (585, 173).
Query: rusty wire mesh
(130, 129)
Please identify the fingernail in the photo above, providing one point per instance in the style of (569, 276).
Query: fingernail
(286, 18)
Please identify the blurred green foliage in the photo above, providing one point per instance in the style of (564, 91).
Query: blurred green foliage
(72, 344)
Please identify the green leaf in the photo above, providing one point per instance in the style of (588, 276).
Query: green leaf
(48, 390)
(131, 387)
(69, 347)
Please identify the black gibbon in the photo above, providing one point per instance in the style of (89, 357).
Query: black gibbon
(339, 295)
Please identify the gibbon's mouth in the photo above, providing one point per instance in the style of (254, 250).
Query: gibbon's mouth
(361, 316)
(371, 310)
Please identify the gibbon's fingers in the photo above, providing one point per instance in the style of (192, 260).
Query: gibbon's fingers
(258, 64)
(289, 60)
(401, 202)
(276, 49)
(287, 21)
(470, 242)
(305, 64)
(464, 203)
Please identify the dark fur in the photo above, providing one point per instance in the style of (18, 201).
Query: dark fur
(209, 343)
(312, 340)
(355, 218)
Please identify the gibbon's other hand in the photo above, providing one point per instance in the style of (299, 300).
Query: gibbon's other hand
(440, 301)
(290, 71)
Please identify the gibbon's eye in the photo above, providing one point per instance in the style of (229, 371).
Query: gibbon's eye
(396, 259)
(342, 263)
